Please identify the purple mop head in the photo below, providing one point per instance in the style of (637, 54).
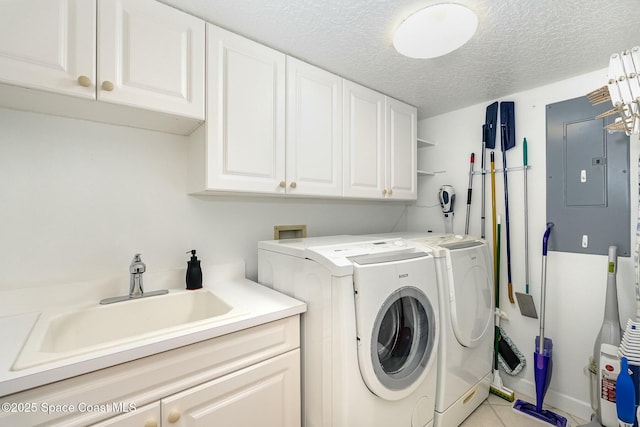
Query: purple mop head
(543, 367)
(545, 415)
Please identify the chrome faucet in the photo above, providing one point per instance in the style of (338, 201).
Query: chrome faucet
(136, 269)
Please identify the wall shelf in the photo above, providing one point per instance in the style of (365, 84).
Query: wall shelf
(423, 143)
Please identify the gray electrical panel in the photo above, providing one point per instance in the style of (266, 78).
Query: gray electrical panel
(587, 180)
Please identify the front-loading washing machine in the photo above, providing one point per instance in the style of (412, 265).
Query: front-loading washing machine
(370, 334)
(465, 275)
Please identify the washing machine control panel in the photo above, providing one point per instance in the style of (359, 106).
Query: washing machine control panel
(340, 258)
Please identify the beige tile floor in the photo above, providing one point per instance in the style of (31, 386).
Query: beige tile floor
(497, 412)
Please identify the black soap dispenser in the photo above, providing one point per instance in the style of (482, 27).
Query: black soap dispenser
(194, 272)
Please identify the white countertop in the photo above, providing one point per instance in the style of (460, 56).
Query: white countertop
(258, 303)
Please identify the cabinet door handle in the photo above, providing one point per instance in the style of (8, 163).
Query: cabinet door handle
(390, 191)
(283, 184)
(84, 81)
(173, 417)
(151, 423)
(384, 191)
(107, 85)
(293, 184)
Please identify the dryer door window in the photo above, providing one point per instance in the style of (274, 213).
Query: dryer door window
(403, 338)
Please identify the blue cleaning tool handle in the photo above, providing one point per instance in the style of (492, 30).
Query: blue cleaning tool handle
(625, 394)
(545, 238)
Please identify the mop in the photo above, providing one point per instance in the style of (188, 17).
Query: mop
(542, 357)
(497, 387)
(505, 352)
(507, 141)
(482, 166)
(488, 141)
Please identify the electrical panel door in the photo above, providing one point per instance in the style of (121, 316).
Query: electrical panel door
(587, 180)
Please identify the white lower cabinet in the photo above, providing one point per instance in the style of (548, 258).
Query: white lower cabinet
(243, 379)
(146, 416)
(266, 395)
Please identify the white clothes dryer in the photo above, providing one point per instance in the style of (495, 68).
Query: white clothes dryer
(465, 276)
(370, 333)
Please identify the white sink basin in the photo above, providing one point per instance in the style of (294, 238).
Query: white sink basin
(61, 334)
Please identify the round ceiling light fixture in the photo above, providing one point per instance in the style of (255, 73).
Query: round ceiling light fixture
(435, 31)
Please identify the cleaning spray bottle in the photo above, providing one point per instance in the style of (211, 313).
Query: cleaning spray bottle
(194, 272)
(605, 349)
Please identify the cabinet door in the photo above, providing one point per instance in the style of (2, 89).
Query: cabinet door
(48, 45)
(245, 114)
(145, 416)
(401, 130)
(151, 56)
(266, 394)
(314, 130)
(364, 149)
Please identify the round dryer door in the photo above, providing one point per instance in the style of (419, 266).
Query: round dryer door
(402, 342)
(470, 282)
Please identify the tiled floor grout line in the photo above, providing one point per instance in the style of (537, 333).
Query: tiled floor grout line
(497, 415)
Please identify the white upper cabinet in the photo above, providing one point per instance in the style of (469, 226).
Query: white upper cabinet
(379, 145)
(364, 142)
(314, 130)
(144, 58)
(49, 45)
(245, 132)
(151, 56)
(401, 137)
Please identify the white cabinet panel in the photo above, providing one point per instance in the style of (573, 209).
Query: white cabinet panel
(245, 135)
(146, 416)
(379, 145)
(314, 130)
(401, 150)
(265, 394)
(364, 142)
(50, 49)
(152, 55)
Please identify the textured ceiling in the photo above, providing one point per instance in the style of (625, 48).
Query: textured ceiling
(519, 45)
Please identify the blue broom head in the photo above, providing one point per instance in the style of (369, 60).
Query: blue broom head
(507, 125)
(491, 125)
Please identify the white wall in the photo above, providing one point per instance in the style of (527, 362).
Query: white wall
(575, 283)
(78, 199)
